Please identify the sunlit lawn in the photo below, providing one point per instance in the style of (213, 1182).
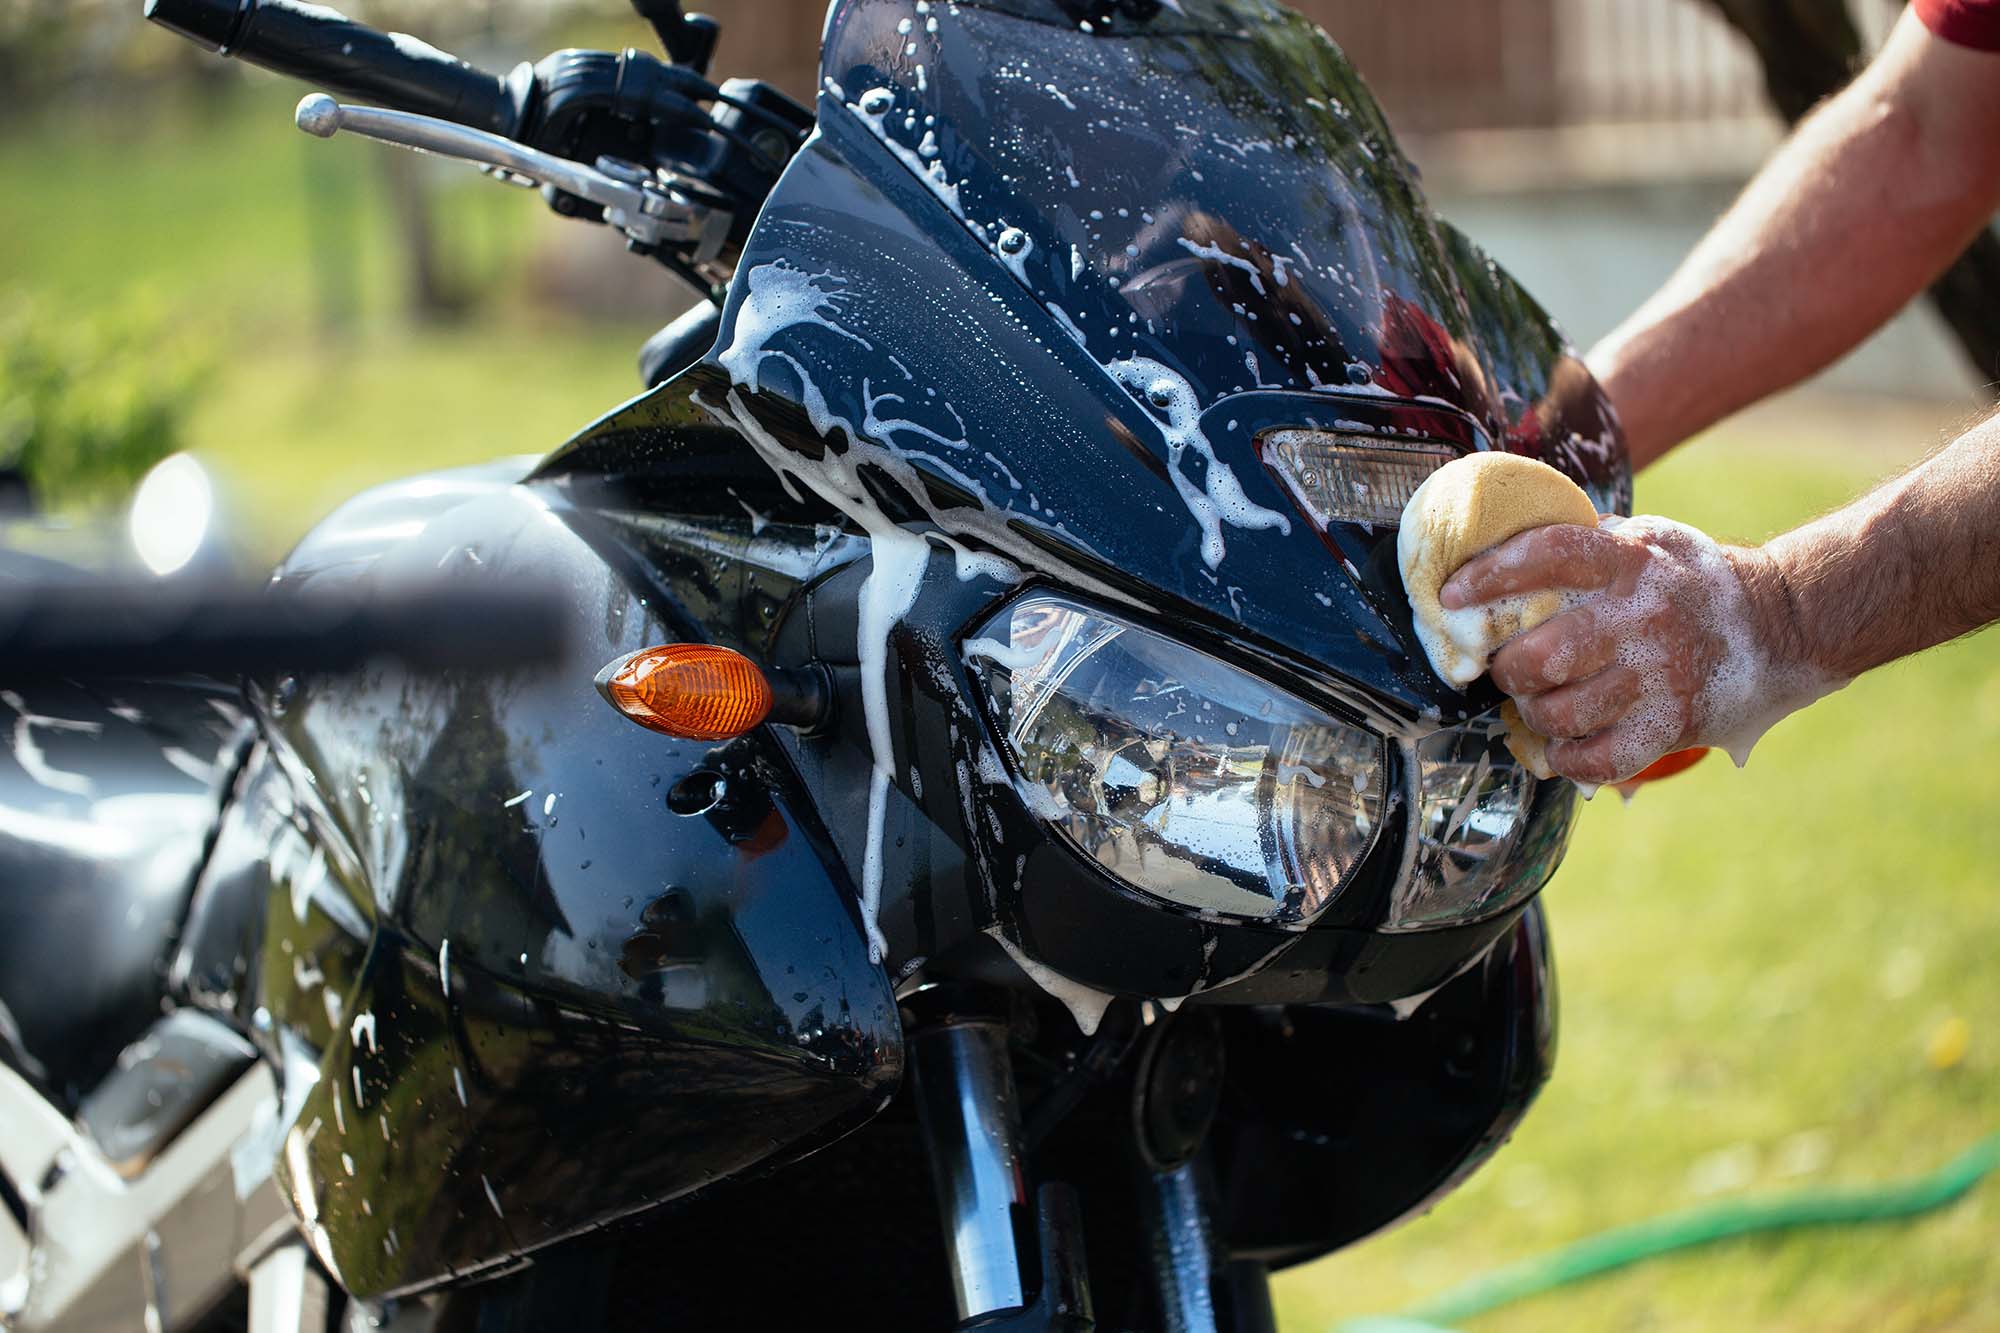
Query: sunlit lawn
(1753, 963)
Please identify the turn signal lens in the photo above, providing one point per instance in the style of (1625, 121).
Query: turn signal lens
(1337, 478)
(696, 691)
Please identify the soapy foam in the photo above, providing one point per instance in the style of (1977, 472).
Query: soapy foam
(1216, 254)
(1746, 690)
(1085, 1005)
(1221, 499)
(931, 173)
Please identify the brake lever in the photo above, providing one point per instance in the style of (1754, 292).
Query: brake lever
(653, 208)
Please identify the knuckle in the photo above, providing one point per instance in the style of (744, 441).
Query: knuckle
(1506, 672)
(1578, 764)
(1552, 715)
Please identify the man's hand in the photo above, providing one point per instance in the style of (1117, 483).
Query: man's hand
(1674, 641)
(1671, 641)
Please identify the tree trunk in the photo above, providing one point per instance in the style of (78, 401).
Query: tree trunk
(1809, 50)
(433, 294)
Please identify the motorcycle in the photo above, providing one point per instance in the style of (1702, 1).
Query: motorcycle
(985, 848)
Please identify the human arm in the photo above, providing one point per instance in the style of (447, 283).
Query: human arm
(1867, 203)
(1675, 641)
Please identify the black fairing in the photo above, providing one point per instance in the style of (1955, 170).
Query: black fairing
(109, 795)
(1034, 290)
(544, 984)
(1338, 1122)
(955, 315)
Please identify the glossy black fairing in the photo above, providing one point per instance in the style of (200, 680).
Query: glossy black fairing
(550, 968)
(1005, 297)
(1023, 314)
(1004, 227)
(109, 796)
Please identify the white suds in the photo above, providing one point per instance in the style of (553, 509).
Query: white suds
(873, 110)
(1216, 254)
(1085, 1005)
(1005, 654)
(364, 1024)
(444, 967)
(1221, 499)
(1746, 691)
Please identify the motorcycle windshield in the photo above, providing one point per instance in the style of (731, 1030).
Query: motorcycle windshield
(1208, 185)
(1065, 287)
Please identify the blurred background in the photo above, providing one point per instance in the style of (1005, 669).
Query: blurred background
(1771, 979)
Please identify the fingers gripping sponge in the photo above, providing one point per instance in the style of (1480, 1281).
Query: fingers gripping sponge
(1468, 506)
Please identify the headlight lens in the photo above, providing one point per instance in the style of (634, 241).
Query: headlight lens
(1472, 805)
(1185, 778)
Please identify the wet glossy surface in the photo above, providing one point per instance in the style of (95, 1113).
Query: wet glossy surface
(1037, 288)
(108, 795)
(922, 273)
(1335, 1124)
(878, 335)
(583, 995)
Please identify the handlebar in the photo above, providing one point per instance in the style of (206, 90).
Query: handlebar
(315, 44)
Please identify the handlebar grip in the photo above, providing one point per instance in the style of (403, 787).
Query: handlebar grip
(320, 46)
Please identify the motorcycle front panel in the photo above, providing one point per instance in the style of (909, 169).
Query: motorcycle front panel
(603, 968)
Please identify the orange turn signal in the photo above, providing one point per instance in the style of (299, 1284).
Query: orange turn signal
(697, 691)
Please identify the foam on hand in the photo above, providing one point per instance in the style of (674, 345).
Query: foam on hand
(1685, 617)
(1745, 688)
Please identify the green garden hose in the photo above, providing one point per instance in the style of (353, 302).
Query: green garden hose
(1685, 1230)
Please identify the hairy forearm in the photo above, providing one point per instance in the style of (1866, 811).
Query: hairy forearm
(1912, 564)
(1867, 203)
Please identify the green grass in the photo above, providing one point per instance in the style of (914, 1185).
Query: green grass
(1751, 962)
(272, 252)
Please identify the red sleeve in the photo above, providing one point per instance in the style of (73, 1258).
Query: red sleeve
(1973, 23)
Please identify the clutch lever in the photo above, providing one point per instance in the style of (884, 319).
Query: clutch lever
(653, 208)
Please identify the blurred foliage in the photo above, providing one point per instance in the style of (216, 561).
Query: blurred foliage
(89, 403)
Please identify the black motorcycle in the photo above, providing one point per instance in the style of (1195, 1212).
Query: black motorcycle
(988, 852)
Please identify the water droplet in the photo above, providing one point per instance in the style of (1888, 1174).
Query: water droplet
(876, 101)
(1013, 241)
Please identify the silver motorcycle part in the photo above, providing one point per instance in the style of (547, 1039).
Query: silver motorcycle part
(287, 1293)
(651, 207)
(972, 1128)
(151, 1246)
(1183, 1246)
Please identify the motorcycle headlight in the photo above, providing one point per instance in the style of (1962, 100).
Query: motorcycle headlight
(1183, 777)
(1472, 801)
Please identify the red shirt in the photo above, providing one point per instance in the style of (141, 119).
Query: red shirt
(1973, 23)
